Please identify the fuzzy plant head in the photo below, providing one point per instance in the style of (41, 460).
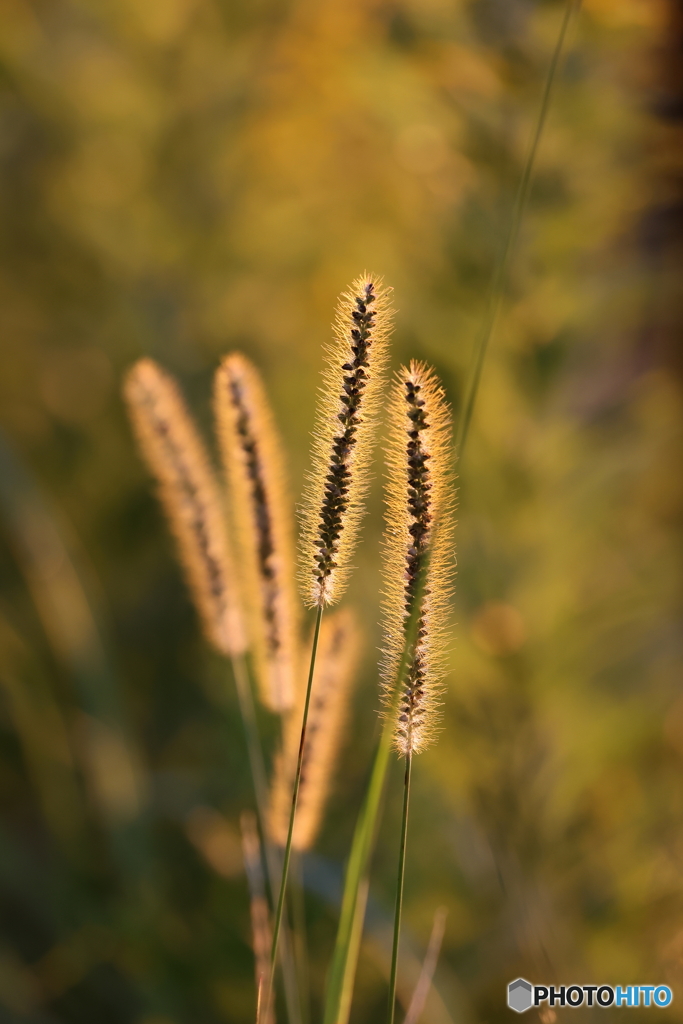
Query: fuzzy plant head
(190, 498)
(344, 432)
(263, 514)
(419, 533)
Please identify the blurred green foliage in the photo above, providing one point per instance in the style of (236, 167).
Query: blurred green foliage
(181, 177)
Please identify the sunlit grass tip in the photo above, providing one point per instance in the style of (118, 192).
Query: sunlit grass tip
(190, 498)
(419, 522)
(263, 512)
(337, 661)
(344, 432)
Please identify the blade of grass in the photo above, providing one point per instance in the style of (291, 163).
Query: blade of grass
(424, 983)
(345, 957)
(499, 279)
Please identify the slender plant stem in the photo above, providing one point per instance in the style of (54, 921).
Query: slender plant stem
(292, 813)
(298, 911)
(399, 891)
(258, 774)
(254, 752)
(499, 279)
(354, 899)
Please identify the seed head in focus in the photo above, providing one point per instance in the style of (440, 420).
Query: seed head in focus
(419, 524)
(343, 437)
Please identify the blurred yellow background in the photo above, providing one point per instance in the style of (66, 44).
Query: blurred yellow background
(183, 177)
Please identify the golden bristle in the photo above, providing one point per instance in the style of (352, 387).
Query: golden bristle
(343, 437)
(419, 518)
(337, 660)
(254, 466)
(189, 495)
(260, 920)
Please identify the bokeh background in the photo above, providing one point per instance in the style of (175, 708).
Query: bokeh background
(182, 177)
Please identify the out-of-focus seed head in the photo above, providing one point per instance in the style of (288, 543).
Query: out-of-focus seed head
(336, 664)
(190, 497)
(263, 513)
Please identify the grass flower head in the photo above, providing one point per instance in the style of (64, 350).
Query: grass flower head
(190, 497)
(418, 521)
(343, 436)
(262, 509)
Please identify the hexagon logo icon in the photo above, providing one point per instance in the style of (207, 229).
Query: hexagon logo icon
(520, 995)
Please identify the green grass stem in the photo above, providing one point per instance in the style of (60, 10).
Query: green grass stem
(354, 899)
(292, 815)
(391, 1010)
(298, 912)
(259, 779)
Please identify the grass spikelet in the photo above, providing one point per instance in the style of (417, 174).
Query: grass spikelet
(419, 510)
(260, 921)
(343, 436)
(337, 660)
(190, 497)
(254, 465)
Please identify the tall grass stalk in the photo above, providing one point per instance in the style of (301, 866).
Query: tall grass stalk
(391, 1009)
(418, 520)
(299, 936)
(245, 700)
(295, 794)
(354, 899)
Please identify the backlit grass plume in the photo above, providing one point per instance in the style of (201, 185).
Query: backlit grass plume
(190, 498)
(336, 664)
(333, 501)
(262, 508)
(343, 436)
(418, 518)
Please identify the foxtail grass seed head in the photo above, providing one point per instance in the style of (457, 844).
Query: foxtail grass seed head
(254, 465)
(344, 432)
(260, 921)
(419, 519)
(190, 497)
(336, 664)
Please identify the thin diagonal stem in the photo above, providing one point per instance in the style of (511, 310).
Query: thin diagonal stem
(424, 982)
(499, 280)
(399, 891)
(292, 814)
(354, 899)
(343, 967)
(300, 943)
(258, 774)
(254, 752)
